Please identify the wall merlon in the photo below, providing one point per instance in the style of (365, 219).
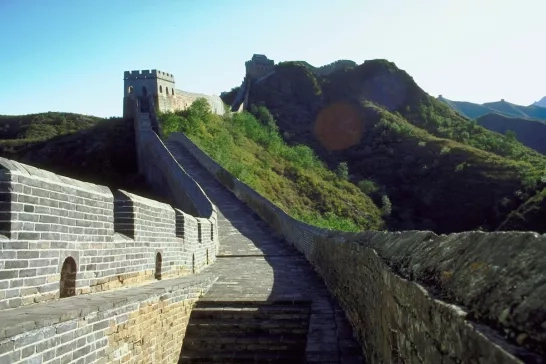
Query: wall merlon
(141, 74)
(46, 219)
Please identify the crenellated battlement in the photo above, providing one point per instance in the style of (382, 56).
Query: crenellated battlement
(142, 74)
(64, 237)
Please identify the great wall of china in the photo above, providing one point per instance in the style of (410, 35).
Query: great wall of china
(88, 275)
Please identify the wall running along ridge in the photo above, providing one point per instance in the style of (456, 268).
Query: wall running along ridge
(496, 280)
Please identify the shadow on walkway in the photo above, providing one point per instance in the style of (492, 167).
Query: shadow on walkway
(266, 293)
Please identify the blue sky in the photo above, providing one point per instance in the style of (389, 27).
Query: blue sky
(66, 55)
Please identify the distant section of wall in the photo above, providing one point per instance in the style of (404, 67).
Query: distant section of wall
(161, 86)
(497, 279)
(164, 173)
(145, 324)
(258, 66)
(215, 102)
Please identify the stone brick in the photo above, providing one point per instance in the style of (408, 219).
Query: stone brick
(27, 254)
(28, 351)
(8, 274)
(65, 327)
(6, 346)
(27, 235)
(27, 272)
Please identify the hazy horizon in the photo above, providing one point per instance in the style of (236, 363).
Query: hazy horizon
(70, 57)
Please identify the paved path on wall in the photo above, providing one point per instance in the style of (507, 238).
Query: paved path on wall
(254, 264)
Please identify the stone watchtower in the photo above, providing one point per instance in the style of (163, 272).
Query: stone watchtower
(259, 66)
(156, 83)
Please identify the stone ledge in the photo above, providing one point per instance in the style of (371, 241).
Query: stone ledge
(122, 195)
(497, 277)
(11, 167)
(18, 320)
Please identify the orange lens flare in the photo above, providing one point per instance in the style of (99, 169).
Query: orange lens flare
(339, 126)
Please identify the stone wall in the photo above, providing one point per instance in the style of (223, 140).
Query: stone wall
(418, 297)
(47, 219)
(161, 86)
(181, 100)
(142, 325)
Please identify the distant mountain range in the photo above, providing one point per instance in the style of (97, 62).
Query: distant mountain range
(536, 111)
(541, 103)
(528, 122)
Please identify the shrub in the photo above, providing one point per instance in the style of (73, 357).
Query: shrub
(342, 171)
(367, 186)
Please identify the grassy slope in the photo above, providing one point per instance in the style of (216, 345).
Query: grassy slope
(86, 148)
(441, 170)
(291, 177)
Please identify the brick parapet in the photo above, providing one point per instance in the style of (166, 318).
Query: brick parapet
(46, 219)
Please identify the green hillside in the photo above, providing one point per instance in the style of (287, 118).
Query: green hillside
(291, 177)
(43, 126)
(87, 148)
(439, 170)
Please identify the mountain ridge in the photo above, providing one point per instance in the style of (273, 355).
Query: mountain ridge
(541, 102)
(473, 110)
(441, 171)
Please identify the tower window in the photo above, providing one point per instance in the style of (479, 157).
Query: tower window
(130, 90)
(158, 263)
(160, 89)
(172, 91)
(167, 91)
(68, 278)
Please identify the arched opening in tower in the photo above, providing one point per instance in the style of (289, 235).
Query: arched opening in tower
(68, 278)
(158, 263)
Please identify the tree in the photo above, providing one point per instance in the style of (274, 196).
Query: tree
(386, 207)
(510, 135)
(342, 171)
(367, 186)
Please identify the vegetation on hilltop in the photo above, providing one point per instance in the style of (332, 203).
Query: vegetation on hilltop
(292, 177)
(439, 170)
(43, 126)
(91, 149)
(325, 70)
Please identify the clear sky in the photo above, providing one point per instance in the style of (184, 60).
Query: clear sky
(66, 55)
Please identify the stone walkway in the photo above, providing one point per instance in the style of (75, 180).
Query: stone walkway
(255, 264)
